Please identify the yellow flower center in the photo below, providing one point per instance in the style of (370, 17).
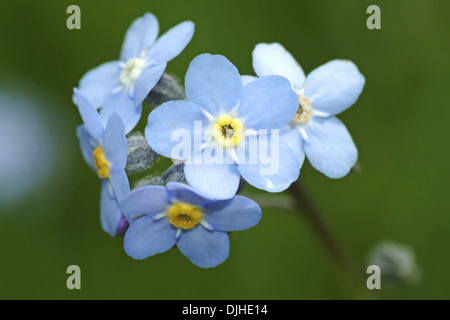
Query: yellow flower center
(304, 111)
(228, 130)
(183, 215)
(101, 163)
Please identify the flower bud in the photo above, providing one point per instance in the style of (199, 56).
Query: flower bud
(397, 263)
(166, 89)
(140, 155)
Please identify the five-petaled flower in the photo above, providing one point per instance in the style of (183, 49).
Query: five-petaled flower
(239, 124)
(105, 150)
(231, 124)
(327, 91)
(162, 217)
(121, 86)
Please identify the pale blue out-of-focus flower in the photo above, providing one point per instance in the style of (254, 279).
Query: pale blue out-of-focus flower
(28, 157)
(235, 117)
(324, 93)
(121, 86)
(162, 217)
(397, 263)
(105, 150)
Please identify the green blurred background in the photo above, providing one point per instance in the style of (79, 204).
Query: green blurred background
(400, 125)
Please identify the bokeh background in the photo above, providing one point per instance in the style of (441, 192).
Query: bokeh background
(49, 198)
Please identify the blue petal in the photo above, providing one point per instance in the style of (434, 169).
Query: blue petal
(121, 103)
(146, 81)
(330, 148)
(110, 212)
(86, 144)
(241, 213)
(274, 59)
(175, 118)
(247, 79)
(268, 103)
(291, 136)
(145, 201)
(184, 193)
(98, 84)
(147, 237)
(214, 83)
(89, 115)
(115, 142)
(204, 248)
(141, 34)
(217, 205)
(119, 183)
(170, 44)
(215, 181)
(334, 86)
(267, 167)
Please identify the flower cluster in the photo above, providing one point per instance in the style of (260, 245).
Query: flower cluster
(231, 129)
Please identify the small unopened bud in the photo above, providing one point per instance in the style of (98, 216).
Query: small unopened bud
(175, 173)
(153, 181)
(242, 184)
(123, 226)
(397, 263)
(140, 155)
(166, 89)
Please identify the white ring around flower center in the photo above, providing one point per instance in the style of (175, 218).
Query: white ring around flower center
(131, 72)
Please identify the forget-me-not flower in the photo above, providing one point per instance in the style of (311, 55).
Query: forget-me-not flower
(237, 119)
(121, 86)
(105, 150)
(178, 214)
(324, 93)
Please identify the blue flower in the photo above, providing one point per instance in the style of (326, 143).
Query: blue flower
(121, 86)
(105, 150)
(237, 129)
(162, 217)
(326, 92)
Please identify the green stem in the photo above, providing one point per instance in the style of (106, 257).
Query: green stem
(324, 234)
